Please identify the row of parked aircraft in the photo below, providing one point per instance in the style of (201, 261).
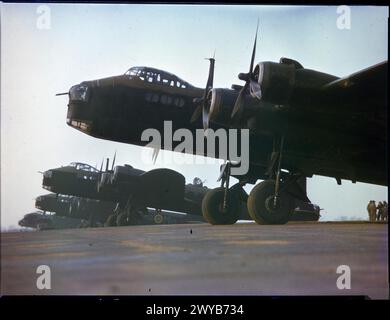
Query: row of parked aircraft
(83, 196)
(301, 123)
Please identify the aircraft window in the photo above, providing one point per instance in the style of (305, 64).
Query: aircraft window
(80, 124)
(150, 77)
(133, 73)
(83, 166)
(166, 99)
(152, 97)
(79, 92)
(179, 102)
(154, 75)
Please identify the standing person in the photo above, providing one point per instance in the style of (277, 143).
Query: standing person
(379, 209)
(384, 211)
(371, 208)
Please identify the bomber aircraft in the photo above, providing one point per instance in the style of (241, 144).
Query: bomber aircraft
(301, 123)
(94, 212)
(132, 190)
(44, 221)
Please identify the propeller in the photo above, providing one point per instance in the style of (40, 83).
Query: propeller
(107, 163)
(201, 109)
(113, 161)
(101, 167)
(250, 82)
(156, 151)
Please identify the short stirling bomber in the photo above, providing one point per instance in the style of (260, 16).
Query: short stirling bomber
(132, 191)
(94, 212)
(302, 123)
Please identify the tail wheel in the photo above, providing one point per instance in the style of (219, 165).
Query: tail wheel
(158, 218)
(261, 204)
(121, 219)
(111, 221)
(212, 207)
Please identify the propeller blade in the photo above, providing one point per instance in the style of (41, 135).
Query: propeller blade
(62, 93)
(197, 113)
(209, 86)
(249, 82)
(210, 79)
(113, 161)
(205, 118)
(239, 102)
(255, 89)
(254, 50)
(155, 154)
(201, 109)
(101, 167)
(107, 163)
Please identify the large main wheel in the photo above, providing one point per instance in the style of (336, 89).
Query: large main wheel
(261, 204)
(212, 207)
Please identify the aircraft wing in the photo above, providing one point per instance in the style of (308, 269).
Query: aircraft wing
(159, 187)
(361, 92)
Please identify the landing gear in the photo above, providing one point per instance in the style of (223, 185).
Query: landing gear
(158, 217)
(261, 204)
(121, 219)
(213, 207)
(222, 205)
(111, 221)
(127, 215)
(270, 202)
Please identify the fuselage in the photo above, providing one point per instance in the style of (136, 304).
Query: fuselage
(120, 108)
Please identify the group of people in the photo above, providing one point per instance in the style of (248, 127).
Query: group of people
(377, 212)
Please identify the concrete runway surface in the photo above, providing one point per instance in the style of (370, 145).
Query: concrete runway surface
(292, 259)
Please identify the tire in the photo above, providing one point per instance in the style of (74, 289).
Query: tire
(158, 218)
(259, 202)
(111, 221)
(121, 219)
(212, 207)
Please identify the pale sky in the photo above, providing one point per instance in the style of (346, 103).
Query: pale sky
(92, 41)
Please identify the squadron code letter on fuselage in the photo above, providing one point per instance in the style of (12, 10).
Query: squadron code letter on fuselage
(156, 310)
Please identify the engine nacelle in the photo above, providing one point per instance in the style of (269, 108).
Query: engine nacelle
(220, 104)
(276, 81)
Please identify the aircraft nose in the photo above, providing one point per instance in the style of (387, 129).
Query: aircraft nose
(48, 174)
(79, 93)
(79, 106)
(46, 181)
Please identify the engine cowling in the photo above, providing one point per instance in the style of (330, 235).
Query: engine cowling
(276, 81)
(220, 105)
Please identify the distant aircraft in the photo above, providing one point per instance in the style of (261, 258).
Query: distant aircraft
(131, 189)
(42, 221)
(95, 212)
(302, 123)
(53, 203)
